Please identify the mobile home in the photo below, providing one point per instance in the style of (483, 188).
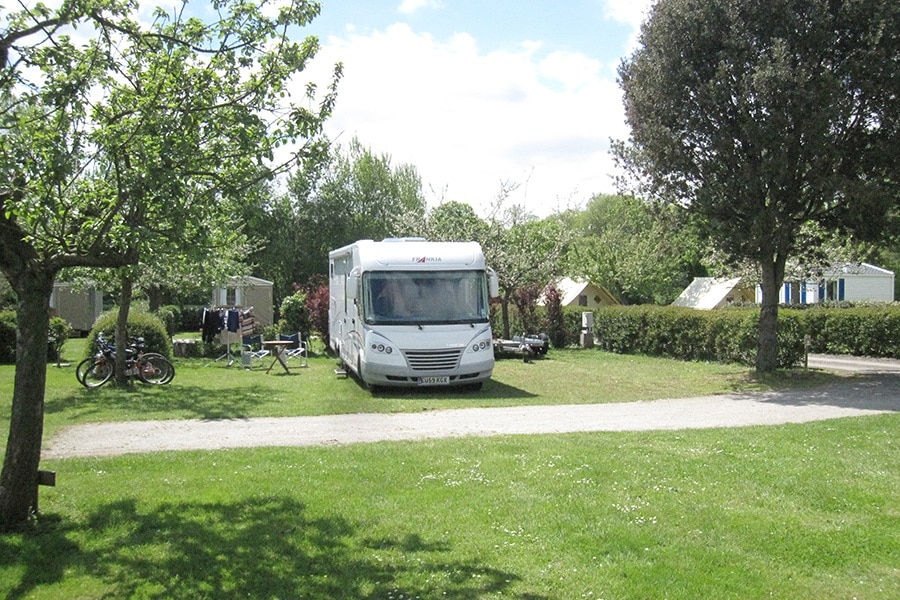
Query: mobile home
(409, 312)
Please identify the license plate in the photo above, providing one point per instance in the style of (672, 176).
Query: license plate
(434, 380)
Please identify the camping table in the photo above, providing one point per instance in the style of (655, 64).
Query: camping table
(278, 347)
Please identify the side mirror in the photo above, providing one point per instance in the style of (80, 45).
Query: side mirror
(493, 284)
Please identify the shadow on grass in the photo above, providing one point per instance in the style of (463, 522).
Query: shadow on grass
(490, 389)
(192, 401)
(260, 548)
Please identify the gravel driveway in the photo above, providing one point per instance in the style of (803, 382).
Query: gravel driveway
(878, 391)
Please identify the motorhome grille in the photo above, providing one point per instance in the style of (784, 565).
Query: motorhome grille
(433, 360)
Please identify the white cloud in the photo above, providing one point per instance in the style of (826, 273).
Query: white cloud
(469, 120)
(408, 7)
(630, 12)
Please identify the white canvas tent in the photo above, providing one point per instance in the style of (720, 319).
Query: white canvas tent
(707, 293)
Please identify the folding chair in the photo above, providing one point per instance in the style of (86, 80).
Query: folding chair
(298, 350)
(251, 349)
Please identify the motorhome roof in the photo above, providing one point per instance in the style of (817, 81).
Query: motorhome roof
(414, 254)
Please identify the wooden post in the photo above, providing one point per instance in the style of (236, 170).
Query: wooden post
(47, 478)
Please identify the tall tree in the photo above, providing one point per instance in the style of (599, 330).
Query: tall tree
(124, 144)
(352, 193)
(761, 115)
(523, 250)
(455, 222)
(638, 254)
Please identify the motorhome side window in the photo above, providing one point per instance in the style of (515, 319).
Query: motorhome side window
(417, 297)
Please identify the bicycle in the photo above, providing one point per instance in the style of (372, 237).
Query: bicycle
(150, 367)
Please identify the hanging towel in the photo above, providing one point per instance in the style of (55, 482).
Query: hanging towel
(232, 321)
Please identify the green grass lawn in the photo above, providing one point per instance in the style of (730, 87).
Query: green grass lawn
(793, 511)
(210, 390)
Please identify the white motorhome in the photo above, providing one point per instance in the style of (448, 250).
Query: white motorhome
(408, 312)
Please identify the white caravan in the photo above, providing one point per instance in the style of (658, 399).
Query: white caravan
(407, 312)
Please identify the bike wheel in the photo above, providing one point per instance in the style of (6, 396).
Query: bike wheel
(171, 367)
(154, 369)
(93, 372)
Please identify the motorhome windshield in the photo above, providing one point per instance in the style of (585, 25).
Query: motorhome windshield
(424, 297)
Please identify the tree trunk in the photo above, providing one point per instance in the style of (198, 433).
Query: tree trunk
(121, 335)
(154, 298)
(767, 346)
(19, 478)
(504, 315)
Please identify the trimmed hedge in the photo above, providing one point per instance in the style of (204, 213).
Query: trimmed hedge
(686, 334)
(731, 335)
(140, 324)
(59, 333)
(861, 330)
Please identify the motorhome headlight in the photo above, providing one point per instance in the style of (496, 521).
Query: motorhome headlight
(382, 348)
(480, 345)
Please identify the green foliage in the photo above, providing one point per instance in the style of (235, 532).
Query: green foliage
(7, 296)
(170, 315)
(294, 314)
(126, 146)
(556, 329)
(456, 222)
(687, 334)
(861, 331)
(348, 193)
(640, 253)
(60, 330)
(7, 337)
(140, 324)
(761, 117)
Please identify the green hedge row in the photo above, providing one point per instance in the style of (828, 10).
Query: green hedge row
(731, 335)
(861, 331)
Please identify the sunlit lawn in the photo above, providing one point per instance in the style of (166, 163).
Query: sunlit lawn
(794, 511)
(209, 389)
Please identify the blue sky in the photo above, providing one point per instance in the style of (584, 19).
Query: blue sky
(479, 93)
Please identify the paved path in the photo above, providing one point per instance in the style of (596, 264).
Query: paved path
(854, 364)
(874, 393)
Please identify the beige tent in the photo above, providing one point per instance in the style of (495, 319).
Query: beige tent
(582, 294)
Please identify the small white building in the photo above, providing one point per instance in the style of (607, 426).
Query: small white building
(79, 306)
(244, 293)
(707, 293)
(849, 282)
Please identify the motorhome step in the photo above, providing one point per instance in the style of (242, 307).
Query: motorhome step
(340, 372)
